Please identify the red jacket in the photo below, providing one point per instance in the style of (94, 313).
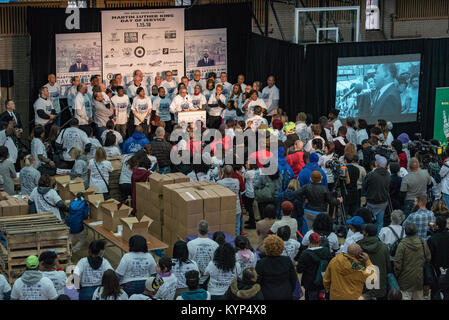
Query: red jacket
(138, 175)
(296, 161)
(403, 160)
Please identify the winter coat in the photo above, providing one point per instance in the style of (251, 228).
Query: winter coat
(308, 263)
(318, 197)
(380, 256)
(409, 262)
(306, 172)
(345, 277)
(277, 277)
(135, 143)
(296, 162)
(439, 249)
(241, 290)
(377, 186)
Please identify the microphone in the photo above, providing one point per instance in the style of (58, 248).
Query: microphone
(356, 87)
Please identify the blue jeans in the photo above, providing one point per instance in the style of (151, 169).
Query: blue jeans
(86, 293)
(164, 170)
(446, 199)
(378, 212)
(238, 223)
(134, 287)
(408, 207)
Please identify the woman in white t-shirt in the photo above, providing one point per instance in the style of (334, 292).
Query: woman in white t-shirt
(222, 270)
(129, 161)
(88, 273)
(164, 270)
(110, 288)
(136, 266)
(245, 255)
(216, 104)
(46, 199)
(100, 168)
(141, 107)
(182, 265)
(121, 110)
(110, 147)
(48, 266)
(386, 136)
(291, 246)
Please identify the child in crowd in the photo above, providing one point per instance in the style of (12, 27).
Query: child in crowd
(110, 128)
(248, 196)
(79, 169)
(291, 246)
(230, 112)
(28, 176)
(164, 270)
(244, 255)
(93, 141)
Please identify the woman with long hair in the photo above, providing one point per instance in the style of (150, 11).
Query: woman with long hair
(386, 135)
(100, 168)
(7, 171)
(129, 161)
(110, 288)
(167, 291)
(244, 254)
(28, 176)
(222, 270)
(236, 92)
(182, 265)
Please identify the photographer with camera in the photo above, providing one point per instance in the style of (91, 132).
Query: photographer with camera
(413, 185)
(368, 147)
(377, 186)
(351, 199)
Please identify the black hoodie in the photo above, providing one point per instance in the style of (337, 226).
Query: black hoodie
(308, 263)
(377, 186)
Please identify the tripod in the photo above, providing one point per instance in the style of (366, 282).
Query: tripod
(340, 189)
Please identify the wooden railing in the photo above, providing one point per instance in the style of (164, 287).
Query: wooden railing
(422, 9)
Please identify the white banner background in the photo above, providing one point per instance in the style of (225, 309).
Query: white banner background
(214, 40)
(67, 46)
(148, 40)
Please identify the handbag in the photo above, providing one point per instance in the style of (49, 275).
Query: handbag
(428, 270)
(104, 180)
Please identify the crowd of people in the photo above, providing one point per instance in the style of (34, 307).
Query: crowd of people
(349, 207)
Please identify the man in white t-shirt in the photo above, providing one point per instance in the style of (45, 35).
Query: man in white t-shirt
(72, 92)
(122, 108)
(255, 121)
(202, 249)
(55, 92)
(241, 82)
(196, 81)
(81, 112)
(44, 113)
(169, 84)
(182, 102)
(72, 137)
(132, 88)
(270, 95)
(32, 285)
(227, 87)
(333, 120)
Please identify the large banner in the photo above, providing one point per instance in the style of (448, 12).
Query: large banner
(206, 51)
(77, 54)
(149, 40)
(441, 124)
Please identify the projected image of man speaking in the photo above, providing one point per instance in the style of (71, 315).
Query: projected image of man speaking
(387, 99)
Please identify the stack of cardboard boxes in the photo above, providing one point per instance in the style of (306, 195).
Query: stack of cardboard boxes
(114, 177)
(68, 189)
(11, 206)
(112, 213)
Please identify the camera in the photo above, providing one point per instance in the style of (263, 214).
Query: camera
(337, 170)
(385, 152)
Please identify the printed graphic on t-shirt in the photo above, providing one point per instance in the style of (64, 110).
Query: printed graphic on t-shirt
(139, 268)
(33, 292)
(122, 107)
(203, 255)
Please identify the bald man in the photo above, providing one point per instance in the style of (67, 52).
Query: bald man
(347, 273)
(413, 185)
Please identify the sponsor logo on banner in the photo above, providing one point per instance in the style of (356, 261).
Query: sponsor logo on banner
(139, 52)
(175, 51)
(110, 76)
(126, 65)
(131, 37)
(164, 50)
(126, 52)
(108, 65)
(170, 34)
(113, 37)
(172, 62)
(155, 64)
(141, 64)
(153, 52)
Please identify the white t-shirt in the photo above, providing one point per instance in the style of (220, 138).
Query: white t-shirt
(256, 121)
(332, 239)
(135, 266)
(251, 263)
(42, 104)
(88, 276)
(55, 92)
(127, 172)
(179, 270)
(179, 104)
(168, 289)
(286, 221)
(72, 138)
(291, 248)
(121, 105)
(227, 88)
(388, 140)
(95, 144)
(117, 135)
(81, 109)
(8, 142)
(140, 297)
(42, 206)
(170, 88)
(41, 290)
(193, 83)
(196, 177)
(201, 250)
(198, 101)
(71, 94)
(216, 111)
(271, 98)
(220, 280)
(104, 167)
(97, 295)
(112, 151)
(387, 236)
(37, 148)
(259, 102)
(132, 88)
(59, 279)
(350, 240)
(4, 286)
(141, 107)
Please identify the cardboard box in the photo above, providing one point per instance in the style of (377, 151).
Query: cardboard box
(24, 207)
(228, 228)
(188, 201)
(179, 177)
(74, 189)
(95, 201)
(213, 218)
(182, 232)
(213, 229)
(112, 214)
(168, 208)
(89, 191)
(169, 223)
(227, 217)
(11, 208)
(4, 196)
(189, 221)
(156, 200)
(166, 235)
(155, 214)
(169, 189)
(132, 226)
(228, 199)
(142, 192)
(155, 229)
(211, 200)
(158, 180)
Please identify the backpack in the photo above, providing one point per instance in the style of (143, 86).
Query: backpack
(285, 176)
(267, 193)
(394, 246)
(322, 266)
(79, 210)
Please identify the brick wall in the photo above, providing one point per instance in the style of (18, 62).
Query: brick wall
(14, 55)
(420, 28)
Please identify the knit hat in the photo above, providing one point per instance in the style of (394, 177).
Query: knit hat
(277, 124)
(381, 161)
(287, 207)
(315, 238)
(153, 283)
(313, 157)
(32, 262)
(403, 137)
(316, 176)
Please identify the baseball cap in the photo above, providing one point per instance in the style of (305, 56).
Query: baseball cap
(355, 221)
(287, 206)
(32, 262)
(381, 161)
(153, 283)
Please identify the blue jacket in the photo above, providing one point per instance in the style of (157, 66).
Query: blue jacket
(79, 211)
(135, 143)
(283, 165)
(306, 172)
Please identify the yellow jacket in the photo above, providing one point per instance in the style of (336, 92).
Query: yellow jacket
(345, 277)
